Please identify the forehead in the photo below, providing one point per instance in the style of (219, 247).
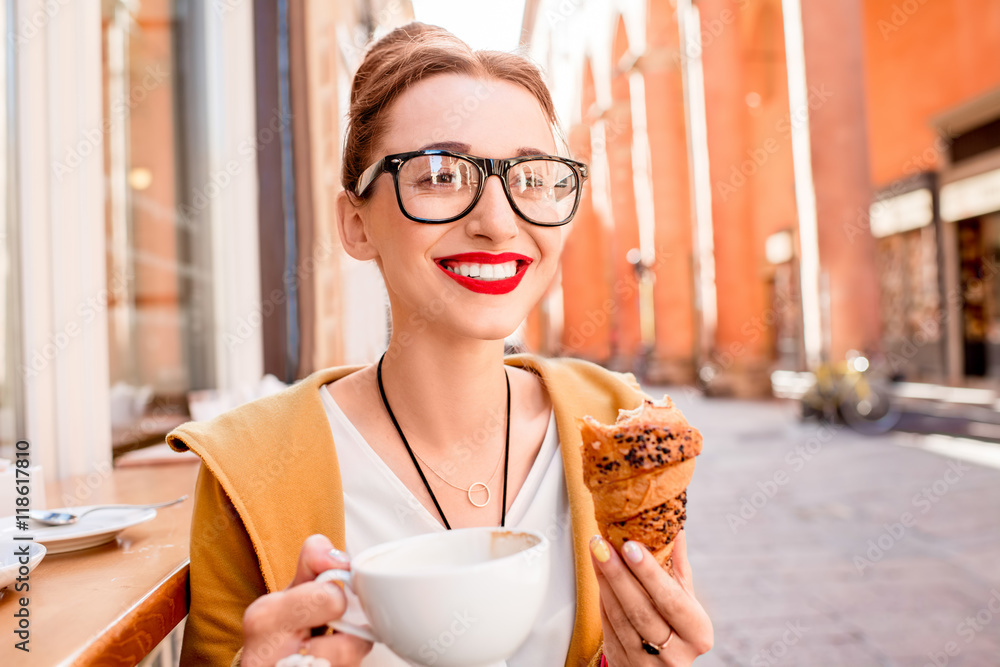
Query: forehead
(495, 118)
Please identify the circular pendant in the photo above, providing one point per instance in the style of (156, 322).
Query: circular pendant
(488, 494)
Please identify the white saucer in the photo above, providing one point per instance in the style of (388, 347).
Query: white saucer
(90, 531)
(9, 559)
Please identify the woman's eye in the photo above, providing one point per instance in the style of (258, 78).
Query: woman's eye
(439, 178)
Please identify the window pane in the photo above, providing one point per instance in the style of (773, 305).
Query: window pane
(151, 323)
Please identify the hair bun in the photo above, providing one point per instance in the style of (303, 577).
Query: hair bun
(407, 55)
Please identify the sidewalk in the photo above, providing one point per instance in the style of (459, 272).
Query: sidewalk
(926, 408)
(812, 545)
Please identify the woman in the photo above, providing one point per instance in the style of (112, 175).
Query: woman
(444, 431)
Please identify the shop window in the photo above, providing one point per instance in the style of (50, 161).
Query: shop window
(976, 141)
(979, 253)
(911, 304)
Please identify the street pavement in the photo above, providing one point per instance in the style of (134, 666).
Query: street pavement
(814, 545)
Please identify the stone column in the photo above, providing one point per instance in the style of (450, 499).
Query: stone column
(667, 133)
(835, 76)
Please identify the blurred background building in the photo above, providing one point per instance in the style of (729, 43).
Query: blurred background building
(168, 185)
(773, 186)
(796, 186)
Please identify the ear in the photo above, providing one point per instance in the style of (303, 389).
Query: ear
(351, 227)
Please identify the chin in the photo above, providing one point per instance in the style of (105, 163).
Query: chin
(496, 331)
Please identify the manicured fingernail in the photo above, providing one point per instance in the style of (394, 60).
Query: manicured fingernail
(339, 556)
(334, 577)
(633, 552)
(600, 549)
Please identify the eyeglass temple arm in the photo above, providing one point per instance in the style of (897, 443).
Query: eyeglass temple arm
(369, 175)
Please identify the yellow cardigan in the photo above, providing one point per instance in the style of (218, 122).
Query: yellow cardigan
(270, 478)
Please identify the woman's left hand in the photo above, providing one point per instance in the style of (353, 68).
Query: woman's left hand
(640, 600)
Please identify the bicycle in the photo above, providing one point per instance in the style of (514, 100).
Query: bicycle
(848, 391)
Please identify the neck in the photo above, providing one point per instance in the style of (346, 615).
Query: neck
(448, 395)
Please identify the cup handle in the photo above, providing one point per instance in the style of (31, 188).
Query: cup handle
(346, 577)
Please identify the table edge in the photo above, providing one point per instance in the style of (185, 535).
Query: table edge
(137, 631)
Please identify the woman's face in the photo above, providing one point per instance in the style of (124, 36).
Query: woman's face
(422, 263)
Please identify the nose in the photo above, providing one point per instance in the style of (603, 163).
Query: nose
(493, 216)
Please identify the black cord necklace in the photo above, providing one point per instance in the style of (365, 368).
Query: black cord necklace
(506, 454)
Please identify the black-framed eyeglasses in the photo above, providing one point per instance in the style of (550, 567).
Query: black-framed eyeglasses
(438, 186)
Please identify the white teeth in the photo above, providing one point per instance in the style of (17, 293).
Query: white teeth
(485, 271)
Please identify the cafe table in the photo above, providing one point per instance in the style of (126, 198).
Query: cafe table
(110, 604)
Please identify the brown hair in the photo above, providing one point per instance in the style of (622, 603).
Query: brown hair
(407, 55)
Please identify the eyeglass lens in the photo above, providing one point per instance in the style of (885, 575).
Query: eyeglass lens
(439, 187)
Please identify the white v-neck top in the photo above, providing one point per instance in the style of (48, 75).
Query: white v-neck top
(379, 508)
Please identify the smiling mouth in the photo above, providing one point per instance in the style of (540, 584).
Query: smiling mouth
(486, 273)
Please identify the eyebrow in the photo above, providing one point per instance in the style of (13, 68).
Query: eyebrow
(459, 147)
(456, 146)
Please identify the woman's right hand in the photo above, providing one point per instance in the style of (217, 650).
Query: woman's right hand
(278, 624)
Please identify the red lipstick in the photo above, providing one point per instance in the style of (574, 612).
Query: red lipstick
(502, 286)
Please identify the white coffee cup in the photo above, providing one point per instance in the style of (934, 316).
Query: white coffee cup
(463, 598)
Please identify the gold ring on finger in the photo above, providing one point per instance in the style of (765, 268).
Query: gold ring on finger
(654, 649)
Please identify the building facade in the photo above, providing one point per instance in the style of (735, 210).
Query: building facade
(933, 85)
(785, 175)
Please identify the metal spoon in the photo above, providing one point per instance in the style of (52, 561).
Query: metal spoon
(65, 518)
